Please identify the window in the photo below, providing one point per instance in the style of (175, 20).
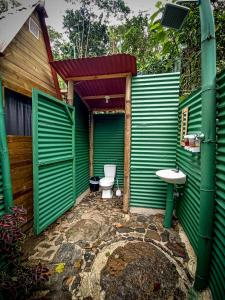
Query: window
(184, 125)
(33, 28)
(18, 114)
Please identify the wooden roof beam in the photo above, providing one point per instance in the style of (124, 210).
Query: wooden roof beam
(113, 110)
(96, 77)
(98, 97)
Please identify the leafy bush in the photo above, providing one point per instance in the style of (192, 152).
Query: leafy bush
(17, 279)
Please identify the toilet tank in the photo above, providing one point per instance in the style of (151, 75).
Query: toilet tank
(110, 171)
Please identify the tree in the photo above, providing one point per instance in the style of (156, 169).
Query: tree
(160, 49)
(88, 31)
(61, 48)
(7, 4)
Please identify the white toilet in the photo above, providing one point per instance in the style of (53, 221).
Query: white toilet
(107, 182)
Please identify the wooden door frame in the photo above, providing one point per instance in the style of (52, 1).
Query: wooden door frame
(127, 145)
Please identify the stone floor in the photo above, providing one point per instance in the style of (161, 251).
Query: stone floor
(95, 251)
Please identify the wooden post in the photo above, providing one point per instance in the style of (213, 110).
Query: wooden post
(70, 93)
(127, 145)
(91, 143)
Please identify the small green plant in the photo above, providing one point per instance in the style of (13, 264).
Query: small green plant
(17, 279)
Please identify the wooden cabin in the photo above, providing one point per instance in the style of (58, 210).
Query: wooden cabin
(25, 54)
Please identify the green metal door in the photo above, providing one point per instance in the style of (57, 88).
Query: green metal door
(53, 158)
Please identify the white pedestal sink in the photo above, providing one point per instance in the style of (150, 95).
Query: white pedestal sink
(171, 177)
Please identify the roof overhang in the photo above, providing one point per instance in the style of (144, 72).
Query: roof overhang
(100, 81)
(12, 21)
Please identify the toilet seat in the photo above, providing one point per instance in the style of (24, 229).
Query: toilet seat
(106, 181)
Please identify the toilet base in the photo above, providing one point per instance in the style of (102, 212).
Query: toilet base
(107, 194)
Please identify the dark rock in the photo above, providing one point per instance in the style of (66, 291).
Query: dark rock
(152, 227)
(76, 282)
(141, 219)
(174, 237)
(59, 240)
(157, 286)
(130, 238)
(87, 230)
(61, 281)
(140, 229)
(67, 282)
(45, 245)
(68, 253)
(124, 230)
(139, 272)
(82, 243)
(88, 256)
(178, 249)
(49, 253)
(165, 236)
(151, 234)
(88, 266)
(56, 295)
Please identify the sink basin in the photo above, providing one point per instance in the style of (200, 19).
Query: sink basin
(172, 176)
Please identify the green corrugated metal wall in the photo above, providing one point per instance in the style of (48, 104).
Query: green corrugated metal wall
(154, 136)
(217, 275)
(188, 206)
(53, 158)
(109, 144)
(81, 146)
(2, 207)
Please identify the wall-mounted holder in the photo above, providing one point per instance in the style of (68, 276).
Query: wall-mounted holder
(193, 141)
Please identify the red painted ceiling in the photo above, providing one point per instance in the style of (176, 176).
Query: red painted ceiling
(104, 65)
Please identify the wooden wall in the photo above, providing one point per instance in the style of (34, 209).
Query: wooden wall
(25, 63)
(20, 155)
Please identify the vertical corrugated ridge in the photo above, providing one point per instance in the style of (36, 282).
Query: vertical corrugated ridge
(217, 274)
(154, 135)
(53, 159)
(109, 144)
(2, 206)
(188, 207)
(81, 146)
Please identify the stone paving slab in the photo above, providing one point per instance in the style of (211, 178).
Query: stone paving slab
(83, 241)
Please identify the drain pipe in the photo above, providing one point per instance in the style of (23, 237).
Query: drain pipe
(5, 165)
(208, 146)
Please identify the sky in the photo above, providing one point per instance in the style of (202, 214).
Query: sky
(56, 8)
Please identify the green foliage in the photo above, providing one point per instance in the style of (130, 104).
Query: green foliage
(160, 49)
(17, 279)
(157, 49)
(86, 30)
(61, 48)
(7, 4)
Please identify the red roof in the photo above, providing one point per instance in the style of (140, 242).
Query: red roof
(95, 66)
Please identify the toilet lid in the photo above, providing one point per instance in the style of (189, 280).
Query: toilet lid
(106, 181)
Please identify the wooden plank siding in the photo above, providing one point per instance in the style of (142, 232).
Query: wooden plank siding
(25, 63)
(20, 155)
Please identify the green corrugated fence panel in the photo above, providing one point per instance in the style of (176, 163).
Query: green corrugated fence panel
(53, 158)
(154, 136)
(188, 207)
(109, 144)
(217, 274)
(81, 147)
(2, 206)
